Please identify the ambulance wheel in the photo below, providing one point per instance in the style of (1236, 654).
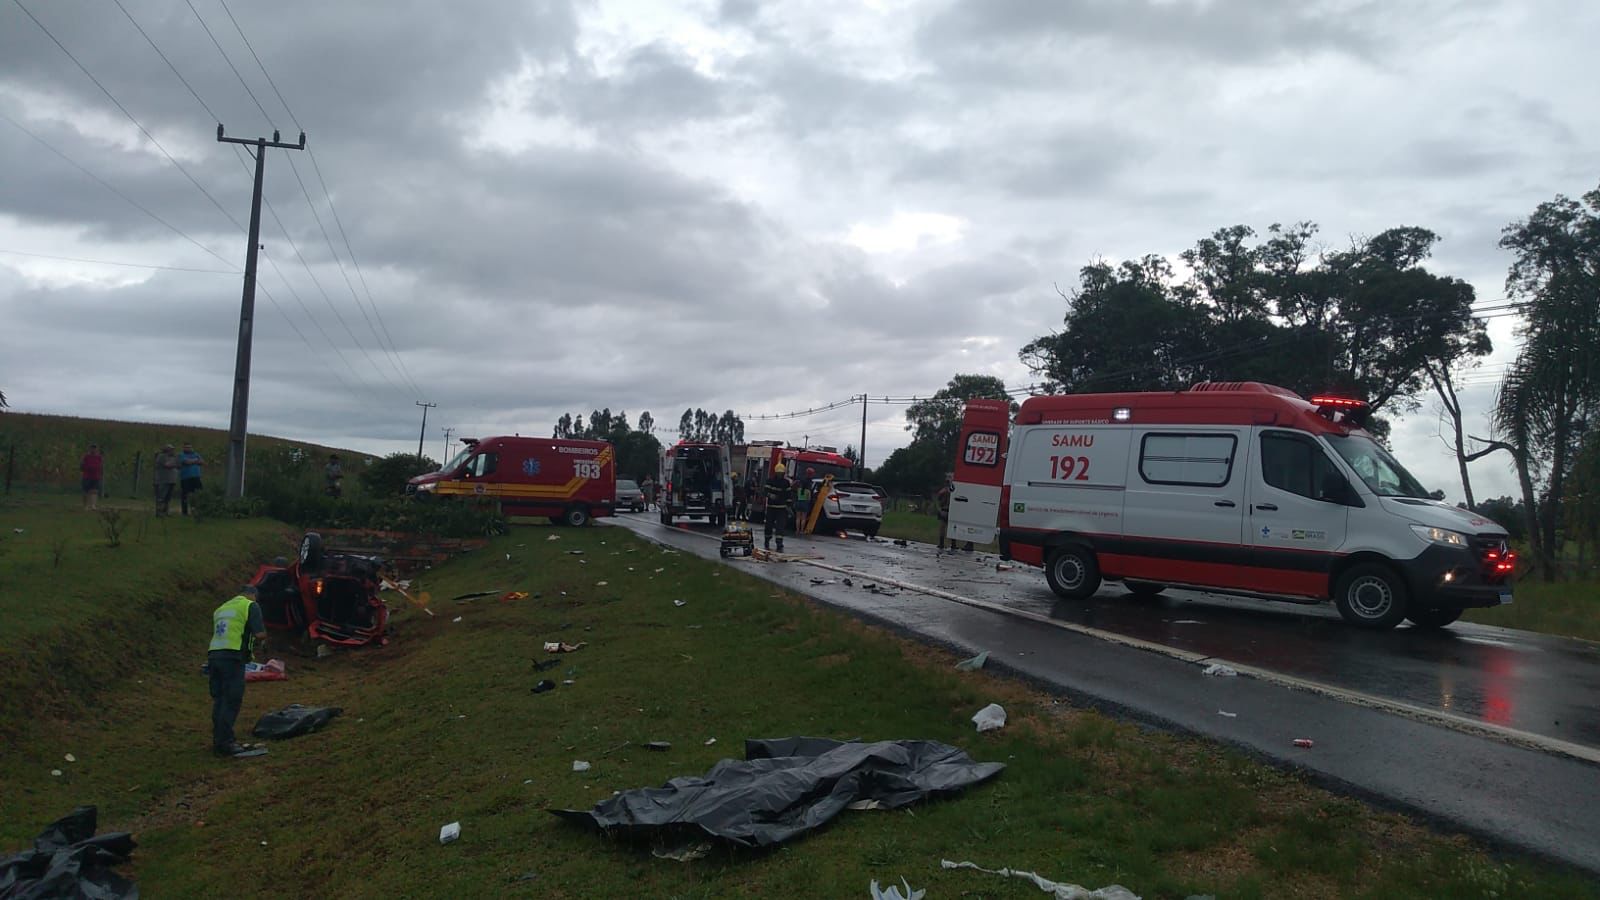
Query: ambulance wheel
(577, 517)
(1432, 619)
(1371, 595)
(1144, 590)
(311, 551)
(1072, 572)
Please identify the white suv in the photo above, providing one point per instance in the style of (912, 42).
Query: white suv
(851, 506)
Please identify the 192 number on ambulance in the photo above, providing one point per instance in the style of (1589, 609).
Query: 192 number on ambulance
(1069, 468)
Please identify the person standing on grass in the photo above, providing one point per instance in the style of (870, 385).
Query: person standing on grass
(166, 479)
(92, 468)
(333, 476)
(236, 627)
(190, 465)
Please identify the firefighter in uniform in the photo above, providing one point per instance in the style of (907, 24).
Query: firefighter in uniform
(780, 493)
(235, 628)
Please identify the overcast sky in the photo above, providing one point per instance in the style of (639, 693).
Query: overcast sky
(648, 205)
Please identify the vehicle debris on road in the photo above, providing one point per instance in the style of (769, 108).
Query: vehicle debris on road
(562, 647)
(990, 718)
(1061, 890)
(450, 832)
(1220, 670)
(1306, 743)
(786, 787)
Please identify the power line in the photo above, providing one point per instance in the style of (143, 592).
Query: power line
(108, 186)
(130, 265)
(390, 348)
(192, 92)
(145, 131)
(226, 59)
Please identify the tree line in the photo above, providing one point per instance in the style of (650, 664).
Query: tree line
(1369, 319)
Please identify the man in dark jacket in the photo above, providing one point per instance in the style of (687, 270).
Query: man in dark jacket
(780, 494)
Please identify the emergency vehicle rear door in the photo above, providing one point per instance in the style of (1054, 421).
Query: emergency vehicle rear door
(980, 471)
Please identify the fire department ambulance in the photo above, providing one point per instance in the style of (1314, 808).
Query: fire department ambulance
(567, 481)
(1235, 487)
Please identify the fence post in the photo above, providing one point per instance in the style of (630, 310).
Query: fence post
(138, 463)
(11, 461)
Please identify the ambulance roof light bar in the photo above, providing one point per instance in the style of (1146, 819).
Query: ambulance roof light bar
(1348, 409)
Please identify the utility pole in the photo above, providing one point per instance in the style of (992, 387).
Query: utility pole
(446, 457)
(237, 426)
(424, 432)
(861, 453)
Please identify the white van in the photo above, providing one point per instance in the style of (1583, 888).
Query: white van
(1234, 487)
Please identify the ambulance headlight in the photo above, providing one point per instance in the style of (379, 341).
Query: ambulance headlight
(1442, 536)
(1122, 414)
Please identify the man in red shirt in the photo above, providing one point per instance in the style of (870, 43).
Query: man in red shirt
(92, 467)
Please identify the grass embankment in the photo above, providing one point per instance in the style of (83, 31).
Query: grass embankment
(78, 614)
(442, 726)
(916, 526)
(47, 448)
(1570, 608)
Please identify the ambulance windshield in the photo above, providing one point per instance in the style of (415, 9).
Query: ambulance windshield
(1381, 471)
(458, 459)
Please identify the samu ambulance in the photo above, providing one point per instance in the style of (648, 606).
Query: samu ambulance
(1231, 487)
(568, 481)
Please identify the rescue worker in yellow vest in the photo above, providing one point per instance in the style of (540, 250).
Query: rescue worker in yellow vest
(235, 628)
(780, 493)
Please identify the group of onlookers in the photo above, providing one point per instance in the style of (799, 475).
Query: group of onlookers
(175, 471)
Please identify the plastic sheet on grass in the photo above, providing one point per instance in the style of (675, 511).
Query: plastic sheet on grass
(786, 787)
(294, 720)
(69, 860)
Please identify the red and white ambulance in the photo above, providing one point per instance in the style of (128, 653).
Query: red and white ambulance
(1235, 487)
(567, 481)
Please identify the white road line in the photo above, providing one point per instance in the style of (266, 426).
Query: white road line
(1359, 698)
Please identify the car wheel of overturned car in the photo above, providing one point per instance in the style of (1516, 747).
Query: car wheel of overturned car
(1430, 619)
(1371, 595)
(1073, 572)
(1144, 590)
(577, 517)
(311, 551)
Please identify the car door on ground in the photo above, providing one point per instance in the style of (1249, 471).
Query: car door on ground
(1294, 535)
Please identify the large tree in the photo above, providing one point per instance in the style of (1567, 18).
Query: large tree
(1551, 395)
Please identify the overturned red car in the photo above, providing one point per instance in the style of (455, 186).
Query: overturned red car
(332, 597)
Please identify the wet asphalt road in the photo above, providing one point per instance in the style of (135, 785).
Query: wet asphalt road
(1508, 792)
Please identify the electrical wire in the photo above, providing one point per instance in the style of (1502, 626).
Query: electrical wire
(130, 265)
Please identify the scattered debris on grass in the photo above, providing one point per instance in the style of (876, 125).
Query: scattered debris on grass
(786, 787)
(70, 758)
(990, 718)
(1062, 890)
(659, 746)
(579, 765)
(892, 892)
(553, 537)
(294, 720)
(456, 619)
(680, 603)
(509, 596)
(462, 598)
(1223, 712)
(69, 860)
(56, 772)
(710, 741)
(562, 647)
(449, 832)
(1307, 743)
(973, 664)
(271, 670)
(545, 665)
(684, 853)
(1219, 670)
(545, 685)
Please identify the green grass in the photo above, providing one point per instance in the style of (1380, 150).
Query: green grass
(1569, 608)
(44, 450)
(441, 726)
(916, 526)
(78, 612)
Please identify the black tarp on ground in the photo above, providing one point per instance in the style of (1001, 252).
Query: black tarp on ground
(293, 720)
(68, 860)
(785, 787)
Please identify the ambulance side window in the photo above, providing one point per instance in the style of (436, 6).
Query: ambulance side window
(1294, 463)
(482, 464)
(1195, 460)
